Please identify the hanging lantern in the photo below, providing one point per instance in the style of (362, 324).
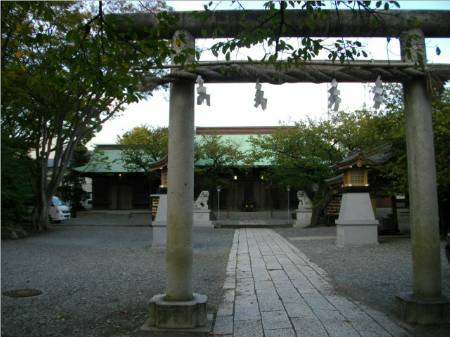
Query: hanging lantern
(201, 91)
(378, 93)
(259, 96)
(333, 99)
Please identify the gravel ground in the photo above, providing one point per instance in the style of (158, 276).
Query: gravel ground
(372, 275)
(97, 281)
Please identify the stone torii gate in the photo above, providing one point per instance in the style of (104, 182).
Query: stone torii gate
(179, 307)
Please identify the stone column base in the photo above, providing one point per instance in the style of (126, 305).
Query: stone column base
(303, 219)
(202, 218)
(161, 213)
(356, 234)
(159, 236)
(412, 310)
(177, 317)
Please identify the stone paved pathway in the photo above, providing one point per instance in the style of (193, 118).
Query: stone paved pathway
(273, 290)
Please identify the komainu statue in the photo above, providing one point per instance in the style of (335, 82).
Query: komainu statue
(202, 200)
(304, 203)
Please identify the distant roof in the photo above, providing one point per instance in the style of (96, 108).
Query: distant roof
(238, 130)
(241, 140)
(107, 158)
(376, 158)
(159, 164)
(336, 180)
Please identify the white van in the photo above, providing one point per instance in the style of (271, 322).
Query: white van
(58, 210)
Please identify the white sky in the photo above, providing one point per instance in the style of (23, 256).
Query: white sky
(232, 104)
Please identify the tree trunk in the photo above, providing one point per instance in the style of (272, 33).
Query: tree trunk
(318, 209)
(40, 212)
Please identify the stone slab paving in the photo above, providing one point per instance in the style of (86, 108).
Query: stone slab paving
(273, 290)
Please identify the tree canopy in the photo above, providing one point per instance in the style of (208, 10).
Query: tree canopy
(215, 157)
(302, 155)
(64, 73)
(143, 146)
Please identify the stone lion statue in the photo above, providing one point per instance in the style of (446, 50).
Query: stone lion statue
(303, 200)
(202, 200)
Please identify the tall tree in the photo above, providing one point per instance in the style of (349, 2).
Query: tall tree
(72, 186)
(441, 126)
(302, 155)
(215, 158)
(144, 145)
(17, 173)
(64, 73)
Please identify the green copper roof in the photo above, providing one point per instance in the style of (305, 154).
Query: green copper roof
(244, 146)
(108, 158)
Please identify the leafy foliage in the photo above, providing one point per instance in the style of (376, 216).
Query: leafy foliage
(18, 172)
(301, 155)
(271, 28)
(216, 158)
(64, 73)
(441, 125)
(143, 146)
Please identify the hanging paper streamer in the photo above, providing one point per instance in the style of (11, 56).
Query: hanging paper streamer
(259, 96)
(334, 99)
(378, 93)
(201, 91)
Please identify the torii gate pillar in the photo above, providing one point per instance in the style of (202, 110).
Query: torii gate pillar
(425, 305)
(179, 309)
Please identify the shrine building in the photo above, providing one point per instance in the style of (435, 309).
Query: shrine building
(242, 188)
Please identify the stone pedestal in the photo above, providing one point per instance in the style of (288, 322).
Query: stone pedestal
(356, 224)
(159, 237)
(416, 311)
(303, 218)
(161, 213)
(159, 230)
(202, 218)
(304, 210)
(177, 314)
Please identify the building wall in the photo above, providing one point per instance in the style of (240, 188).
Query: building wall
(127, 191)
(248, 193)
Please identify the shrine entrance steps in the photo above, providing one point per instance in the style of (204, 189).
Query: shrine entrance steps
(257, 223)
(262, 219)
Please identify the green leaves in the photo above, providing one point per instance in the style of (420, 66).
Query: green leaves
(143, 146)
(214, 157)
(268, 33)
(64, 72)
(386, 4)
(301, 155)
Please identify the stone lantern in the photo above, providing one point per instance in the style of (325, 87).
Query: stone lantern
(163, 177)
(356, 224)
(355, 175)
